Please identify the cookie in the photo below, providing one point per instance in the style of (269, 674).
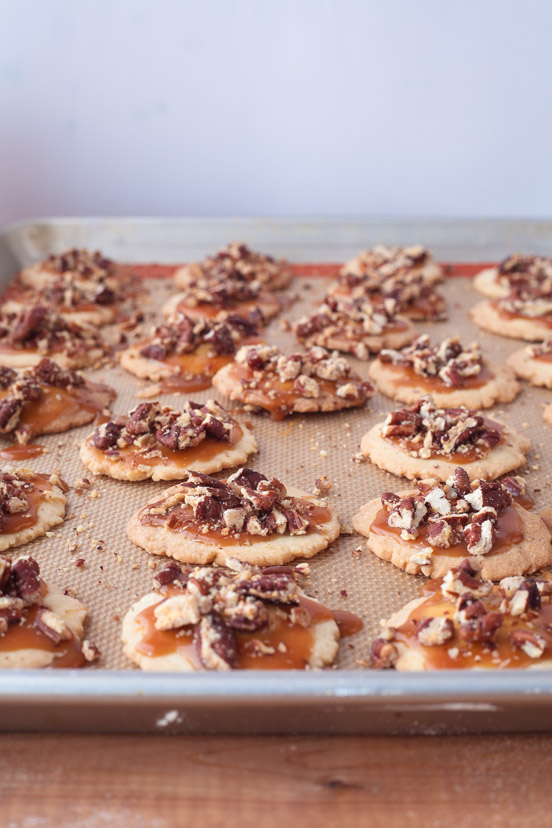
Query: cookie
(270, 273)
(39, 332)
(354, 326)
(425, 530)
(523, 316)
(162, 443)
(262, 377)
(204, 520)
(48, 399)
(95, 304)
(232, 294)
(30, 505)
(384, 263)
(547, 414)
(81, 266)
(497, 282)
(465, 622)
(534, 363)
(183, 354)
(41, 625)
(426, 441)
(411, 294)
(245, 618)
(453, 375)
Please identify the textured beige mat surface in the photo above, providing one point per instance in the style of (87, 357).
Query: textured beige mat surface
(297, 450)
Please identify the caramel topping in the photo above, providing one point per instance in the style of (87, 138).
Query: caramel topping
(270, 306)
(406, 376)
(180, 518)
(508, 533)
(34, 495)
(195, 370)
(284, 645)
(21, 451)
(544, 319)
(500, 654)
(159, 455)
(57, 403)
(25, 635)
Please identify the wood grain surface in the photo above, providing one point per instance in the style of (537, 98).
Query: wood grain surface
(164, 781)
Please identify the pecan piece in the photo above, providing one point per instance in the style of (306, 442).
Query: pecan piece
(435, 631)
(533, 645)
(383, 654)
(482, 629)
(216, 643)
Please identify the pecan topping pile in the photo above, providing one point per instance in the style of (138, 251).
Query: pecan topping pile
(81, 264)
(69, 293)
(530, 300)
(305, 370)
(257, 268)
(151, 425)
(480, 613)
(351, 319)
(21, 591)
(26, 386)
(247, 502)
(542, 349)
(15, 488)
(219, 604)
(423, 430)
(382, 262)
(526, 270)
(448, 361)
(232, 287)
(451, 513)
(44, 330)
(181, 334)
(394, 274)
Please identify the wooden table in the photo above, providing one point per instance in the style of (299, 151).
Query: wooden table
(163, 781)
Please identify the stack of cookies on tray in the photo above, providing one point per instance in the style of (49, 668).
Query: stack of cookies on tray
(233, 593)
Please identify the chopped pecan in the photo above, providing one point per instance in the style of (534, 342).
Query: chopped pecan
(383, 654)
(25, 580)
(482, 628)
(51, 625)
(216, 643)
(435, 631)
(533, 645)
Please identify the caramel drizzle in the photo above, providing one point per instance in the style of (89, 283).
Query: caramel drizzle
(407, 376)
(508, 533)
(298, 640)
(473, 654)
(159, 455)
(12, 523)
(459, 458)
(278, 397)
(41, 416)
(26, 636)
(180, 518)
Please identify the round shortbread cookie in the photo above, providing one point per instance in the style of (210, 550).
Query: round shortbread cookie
(501, 459)
(486, 316)
(501, 388)
(229, 455)
(280, 549)
(532, 553)
(325, 637)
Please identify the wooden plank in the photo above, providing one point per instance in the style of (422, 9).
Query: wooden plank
(165, 782)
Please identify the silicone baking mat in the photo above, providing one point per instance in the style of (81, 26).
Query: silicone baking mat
(91, 555)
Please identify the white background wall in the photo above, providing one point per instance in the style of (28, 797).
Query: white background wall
(281, 107)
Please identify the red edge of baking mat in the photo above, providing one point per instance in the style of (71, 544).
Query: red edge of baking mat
(328, 269)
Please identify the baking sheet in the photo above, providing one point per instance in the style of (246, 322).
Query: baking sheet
(298, 450)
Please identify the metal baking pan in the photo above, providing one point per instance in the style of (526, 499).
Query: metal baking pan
(343, 700)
